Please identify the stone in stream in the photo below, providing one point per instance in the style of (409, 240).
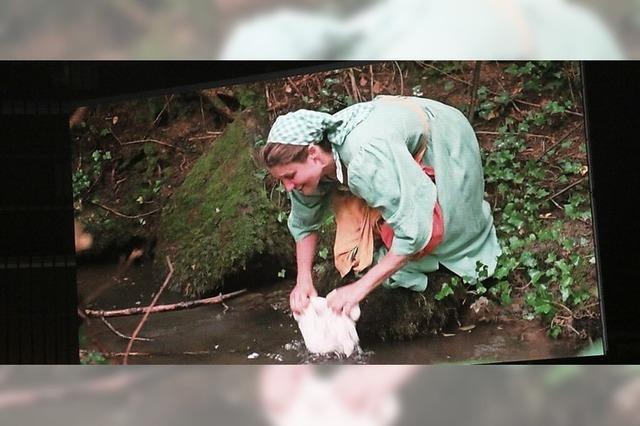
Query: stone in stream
(397, 314)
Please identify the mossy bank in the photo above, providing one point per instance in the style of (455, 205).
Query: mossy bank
(220, 229)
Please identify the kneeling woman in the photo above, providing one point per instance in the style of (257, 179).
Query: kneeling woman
(401, 173)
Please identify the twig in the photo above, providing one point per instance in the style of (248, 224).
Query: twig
(161, 111)
(556, 204)
(356, 91)
(117, 213)
(562, 306)
(371, 80)
(161, 308)
(295, 87)
(202, 137)
(145, 354)
(401, 78)
(117, 333)
(532, 135)
(567, 188)
(146, 315)
(474, 91)
(560, 140)
(204, 122)
(153, 141)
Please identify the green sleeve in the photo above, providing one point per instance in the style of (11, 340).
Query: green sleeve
(386, 176)
(307, 212)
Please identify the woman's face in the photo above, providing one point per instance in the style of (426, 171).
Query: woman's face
(303, 176)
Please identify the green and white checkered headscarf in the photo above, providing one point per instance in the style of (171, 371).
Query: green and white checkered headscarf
(304, 127)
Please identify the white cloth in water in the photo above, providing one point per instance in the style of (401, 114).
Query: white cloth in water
(325, 332)
(316, 403)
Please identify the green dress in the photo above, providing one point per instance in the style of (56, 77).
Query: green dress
(380, 169)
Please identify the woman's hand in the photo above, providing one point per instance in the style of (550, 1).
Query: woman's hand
(301, 295)
(342, 300)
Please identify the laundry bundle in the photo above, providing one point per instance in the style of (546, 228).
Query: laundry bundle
(324, 331)
(316, 402)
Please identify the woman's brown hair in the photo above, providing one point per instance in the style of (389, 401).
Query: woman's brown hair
(275, 154)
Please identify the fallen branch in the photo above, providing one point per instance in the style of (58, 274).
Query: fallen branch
(117, 213)
(560, 140)
(117, 333)
(213, 95)
(401, 78)
(195, 138)
(356, 92)
(567, 188)
(474, 91)
(295, 87)
(161, 308)
(166, 105)
(146, 315)
(146, 354)
(371, 80)
(531, 135)
(153, 141)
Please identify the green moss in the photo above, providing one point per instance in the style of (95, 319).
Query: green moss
(220, 223)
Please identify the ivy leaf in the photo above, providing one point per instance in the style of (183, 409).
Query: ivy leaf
(444, 292)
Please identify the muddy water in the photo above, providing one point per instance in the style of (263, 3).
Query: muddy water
(256, 328)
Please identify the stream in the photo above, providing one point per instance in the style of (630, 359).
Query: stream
(256, 328)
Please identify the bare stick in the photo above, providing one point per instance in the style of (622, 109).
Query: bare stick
(567, 188)
(152, 141)
(356, 92)
(531, 135)
(146, 315)
(117, 333)
(371, 79)
(401, 78)
(162, 308)
(474, 91)
(117, 213)
(195, 138)
(560, 139)
(295, 87)
(204, 122)
(161, 111)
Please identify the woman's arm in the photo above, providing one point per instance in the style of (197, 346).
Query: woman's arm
(343, 299)
(304, 289)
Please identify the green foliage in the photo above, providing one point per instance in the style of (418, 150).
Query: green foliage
(83, 178)
(540, 76)
(552, 268)
(92, 358)
(332, 97)
(447, 288)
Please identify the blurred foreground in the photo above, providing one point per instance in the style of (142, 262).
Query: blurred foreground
(310, 29)
(280, 395)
